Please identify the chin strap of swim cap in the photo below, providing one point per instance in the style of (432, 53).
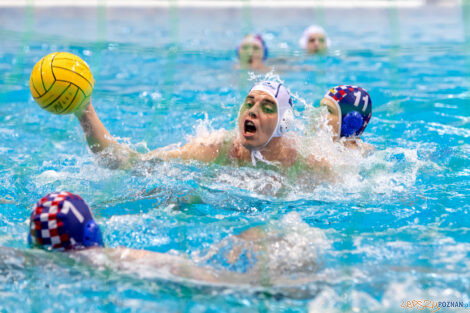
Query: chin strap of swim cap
(285, 115)
(256, 155)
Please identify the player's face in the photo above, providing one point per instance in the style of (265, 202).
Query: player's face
(316, 43)
(251, 53)
(258, 119)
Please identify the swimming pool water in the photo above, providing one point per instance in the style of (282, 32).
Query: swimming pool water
(394, 226)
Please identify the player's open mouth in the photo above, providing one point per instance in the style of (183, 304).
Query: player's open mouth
(250, 128)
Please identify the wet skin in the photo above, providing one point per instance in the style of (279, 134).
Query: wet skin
(251, 55)
(316, 43)
(333, 115)
(257, 119)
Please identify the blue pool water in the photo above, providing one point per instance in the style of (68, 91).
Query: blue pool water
(394, 227)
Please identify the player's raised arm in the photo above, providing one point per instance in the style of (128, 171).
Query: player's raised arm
(97, 136)
(204, 149)
(62, 83)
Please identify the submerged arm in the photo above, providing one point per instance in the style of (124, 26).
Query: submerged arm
(161, 264)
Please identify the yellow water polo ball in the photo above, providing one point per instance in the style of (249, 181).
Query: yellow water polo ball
(61, 83)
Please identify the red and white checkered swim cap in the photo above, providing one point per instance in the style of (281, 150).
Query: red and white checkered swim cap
(63, 221)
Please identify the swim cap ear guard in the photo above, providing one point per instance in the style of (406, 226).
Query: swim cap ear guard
(63, 221)
(284, 105)
(352, 123)
(286, 122)
(354, 106)
(92, 234)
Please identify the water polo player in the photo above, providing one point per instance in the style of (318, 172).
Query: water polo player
(349, 112)
(264, 118)
(252, 51)
(62, 221)
(314, 40)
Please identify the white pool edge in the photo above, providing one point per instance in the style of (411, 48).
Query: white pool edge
(225, 3)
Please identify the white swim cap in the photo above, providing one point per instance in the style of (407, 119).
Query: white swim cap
(284, 105)
(285, 115)
(313, 29)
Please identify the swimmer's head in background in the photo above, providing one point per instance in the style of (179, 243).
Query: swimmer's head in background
(63, 221)
(314, 32)
(253, 39)
(354, 109)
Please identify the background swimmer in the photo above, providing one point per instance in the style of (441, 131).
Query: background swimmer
(349, 112)
(252, 51)
(314, 40)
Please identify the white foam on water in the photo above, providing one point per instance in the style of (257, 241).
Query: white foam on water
(443, 130)
(396, 294)
(140, 229)
(451, 254)
(257, 181)
(203, 129)
(293, 246)
(68, 178)
(269, 76)
(356, 172)
(50, 176)
(283, 250)
(325, 302)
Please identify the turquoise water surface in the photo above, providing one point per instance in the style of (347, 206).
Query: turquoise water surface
(393, 227)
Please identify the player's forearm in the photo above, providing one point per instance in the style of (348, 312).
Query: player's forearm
(186, 153)
(97, 136)
(162, 154)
